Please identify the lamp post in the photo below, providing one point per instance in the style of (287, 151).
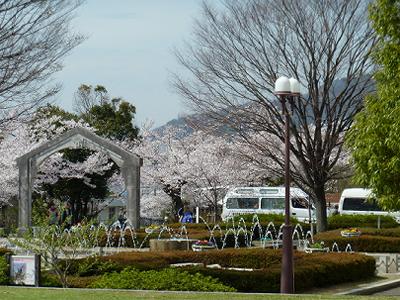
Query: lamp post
(285, 87)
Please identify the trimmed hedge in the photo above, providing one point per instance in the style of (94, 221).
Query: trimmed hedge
(166, 279)
(390, 232)
(311, 270)
(346, 221)
(277, 219)
(369, 241)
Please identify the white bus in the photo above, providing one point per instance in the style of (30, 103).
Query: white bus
(359, 201)
(266, 200)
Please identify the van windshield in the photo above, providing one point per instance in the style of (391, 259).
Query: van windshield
(272, 203)
(242, 203)
(300, 203)
(360, 204)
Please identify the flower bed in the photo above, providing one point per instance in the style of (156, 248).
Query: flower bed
(203, 245)
(311, 270)
(351, 232)
(316, 247)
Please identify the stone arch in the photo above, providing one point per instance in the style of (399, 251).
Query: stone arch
(78, 138)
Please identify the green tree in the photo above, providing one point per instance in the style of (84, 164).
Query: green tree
(112, 122)
(375, 136)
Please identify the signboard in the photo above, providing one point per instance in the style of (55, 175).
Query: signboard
(25, 269)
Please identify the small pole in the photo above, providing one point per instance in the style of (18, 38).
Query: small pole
(197, 214)
(379, 222)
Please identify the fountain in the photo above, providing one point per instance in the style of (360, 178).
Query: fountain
(103, 239)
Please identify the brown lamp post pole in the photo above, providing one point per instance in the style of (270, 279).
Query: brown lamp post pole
(285, 87)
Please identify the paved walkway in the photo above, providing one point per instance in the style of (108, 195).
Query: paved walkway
(364, 287)
(391, 292)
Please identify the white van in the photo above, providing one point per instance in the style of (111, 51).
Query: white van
(265, 200)
(358, 201)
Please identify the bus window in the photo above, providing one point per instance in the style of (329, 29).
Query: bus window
(272, 203)
(299, 203)
(360, 204)
(242, 203)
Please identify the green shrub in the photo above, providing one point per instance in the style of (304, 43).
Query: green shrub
(48, 279)
(167, 279)
(81, 282)
(94, 266)
(4, 279)
(91, 266)
(364, 243)
(347, 221)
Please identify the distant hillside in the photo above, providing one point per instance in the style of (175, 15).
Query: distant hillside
(185, 123)
(179, 123)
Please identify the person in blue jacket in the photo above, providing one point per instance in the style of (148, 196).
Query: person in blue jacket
(187, 216)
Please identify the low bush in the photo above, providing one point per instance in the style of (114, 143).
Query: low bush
(346, 221)
(167, 279)
(82, 282)
(93, 266)
(48, 279)
(364, 243)
(4, 278)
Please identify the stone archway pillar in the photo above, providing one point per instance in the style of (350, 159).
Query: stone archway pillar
(25, 194)
(132, 183)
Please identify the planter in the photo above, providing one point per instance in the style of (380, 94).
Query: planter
(345, 233)
(313, 250)
(200, 248)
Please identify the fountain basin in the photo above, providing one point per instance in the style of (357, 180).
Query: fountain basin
(171, 244)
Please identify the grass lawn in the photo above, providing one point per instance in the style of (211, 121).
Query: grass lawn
(11, 293)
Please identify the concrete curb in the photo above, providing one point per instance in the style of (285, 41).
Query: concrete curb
(374, 288)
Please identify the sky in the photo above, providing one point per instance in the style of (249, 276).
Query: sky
(129, 50)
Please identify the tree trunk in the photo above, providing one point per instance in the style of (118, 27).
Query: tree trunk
(174, 191)
(320, 204)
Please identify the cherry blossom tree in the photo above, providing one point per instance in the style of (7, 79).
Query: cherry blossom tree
(202, 164)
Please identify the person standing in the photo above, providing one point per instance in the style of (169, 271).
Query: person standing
(66, 215)
(53, 214)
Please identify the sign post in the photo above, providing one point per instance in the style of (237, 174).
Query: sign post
(25, 269)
